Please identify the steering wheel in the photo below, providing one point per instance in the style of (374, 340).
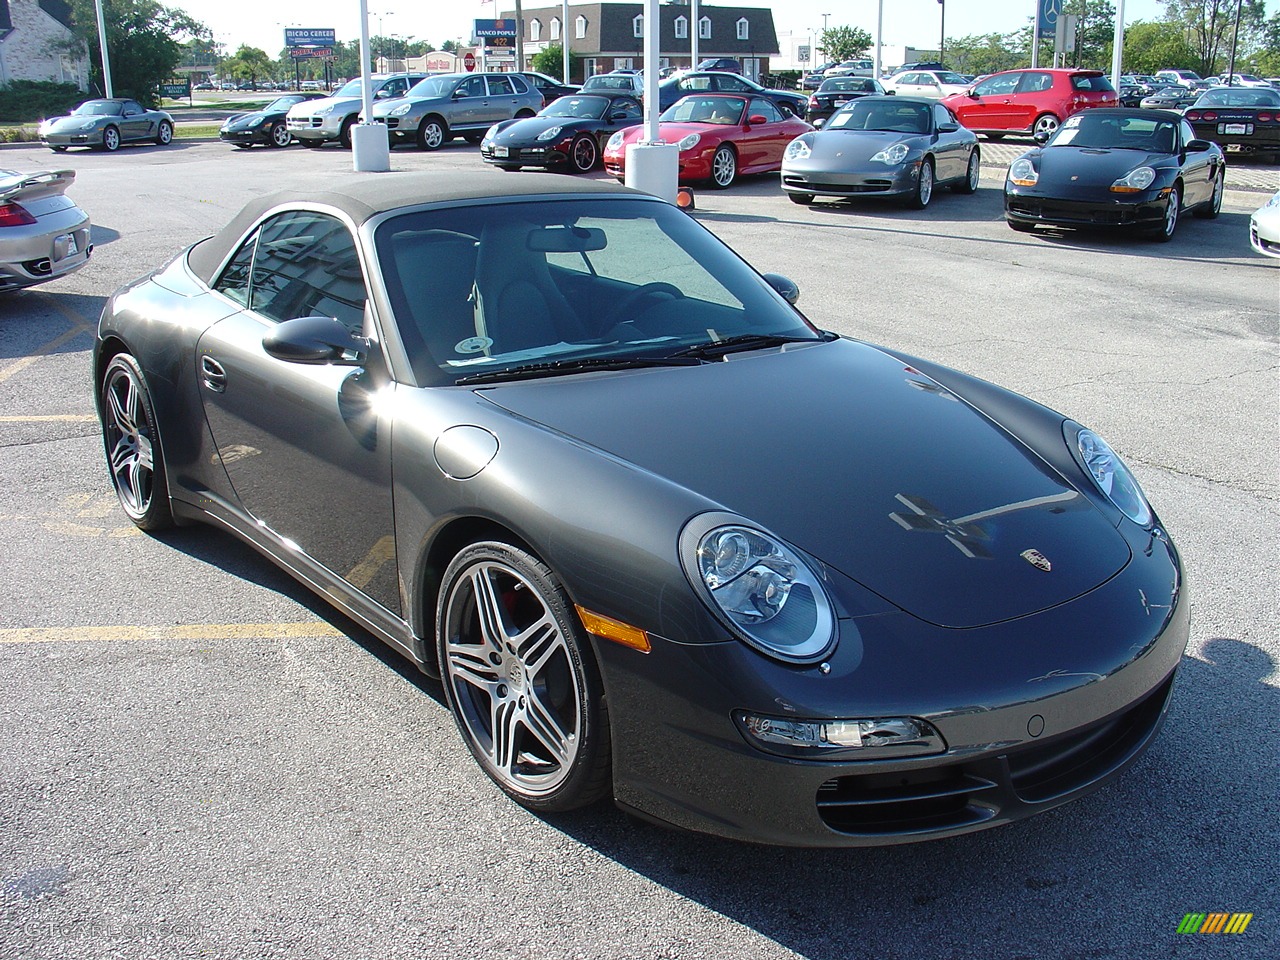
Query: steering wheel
(623, 306)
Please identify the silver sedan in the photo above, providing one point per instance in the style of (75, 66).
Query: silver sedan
(43, 234)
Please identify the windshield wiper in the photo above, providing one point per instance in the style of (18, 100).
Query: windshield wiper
(553, 368)
(744, 341)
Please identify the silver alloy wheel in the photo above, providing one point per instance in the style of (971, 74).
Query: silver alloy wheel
(111, 138)
(923, 193)
(511, 679)
(724, 167)
(1170, 215)
(1047, 123)
(583, 154)
(280, 135)
(974, 172)
(127, 431)
(164, 135)
(431, 135)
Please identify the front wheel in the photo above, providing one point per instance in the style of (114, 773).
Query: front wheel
(804, 199)
(133, 446)
(973, 174)
(111, 139)
(521, 679)
(279, 136)
(164, 134)
(583, 155)
(431, 134)
(344, 135)
(1164, 232)
(919, 198)
(724, 167)
(1210, 210)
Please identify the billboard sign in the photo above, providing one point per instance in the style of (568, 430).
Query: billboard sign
(311, 53)
(309, 37)
(1047, 13)
(488, 29)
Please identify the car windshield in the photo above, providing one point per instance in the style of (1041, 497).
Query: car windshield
(97, 108)
(490, 288)
(619, 82)
(280, 104)
(954, 78)
(434, 87)
(889, 115)
(1235, 97)
(349, 89)
(1111, 131)
(583, 108)
(725, 111)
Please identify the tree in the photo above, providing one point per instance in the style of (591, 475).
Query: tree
(1210, 26)
(984, 53)
(844, 43)
(248, 63)
(1267, 59)
(144, 42)
(1149, 47)
(551, 62)
(450, 46)
(1095, 33)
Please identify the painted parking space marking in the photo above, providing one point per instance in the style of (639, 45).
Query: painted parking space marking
(78, 326)
(170, 632)
(81, 515)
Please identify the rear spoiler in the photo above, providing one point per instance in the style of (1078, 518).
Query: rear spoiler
(33, 186)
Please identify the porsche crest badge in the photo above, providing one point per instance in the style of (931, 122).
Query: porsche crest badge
(1037, 560)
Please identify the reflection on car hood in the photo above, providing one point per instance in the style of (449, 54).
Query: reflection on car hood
(867, 465)
(75, 123)
(842, 147)
(528, 128)
(1091, 166)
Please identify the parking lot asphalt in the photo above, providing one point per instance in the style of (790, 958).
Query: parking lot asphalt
(200, 758)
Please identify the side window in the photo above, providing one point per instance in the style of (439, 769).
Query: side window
(234, 282)
(1188, 134)
(471, 87)
(132, 108)
(765, 109)
(396, 88)
(910, 78)
(997, 86)
(500, 86)
(1035, 82)
(519, 82)
(307, 266)
(942, 115)
(694, 84)
(732, 85)
(631, 108)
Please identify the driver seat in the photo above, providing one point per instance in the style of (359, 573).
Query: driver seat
(520, 306)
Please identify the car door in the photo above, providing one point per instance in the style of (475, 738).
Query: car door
(1035, 96)
(502, 102)
(760, 145)
(627, 112)
(990, 105)
(135, 122)
(469, 106)
(1199, 170)
(306, 447)
(951, 153)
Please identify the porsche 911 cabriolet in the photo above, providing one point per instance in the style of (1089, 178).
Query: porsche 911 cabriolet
(662, 540)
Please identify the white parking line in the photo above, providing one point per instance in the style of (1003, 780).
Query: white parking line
(170, 632)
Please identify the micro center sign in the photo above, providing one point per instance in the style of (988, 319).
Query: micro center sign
(310, 36)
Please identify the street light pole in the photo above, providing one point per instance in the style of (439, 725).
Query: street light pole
(942, 30)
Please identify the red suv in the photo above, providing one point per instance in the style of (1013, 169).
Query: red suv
(1030, 101)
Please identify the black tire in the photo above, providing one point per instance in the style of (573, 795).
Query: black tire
(724, 167)
(1210, 210)
(919, 197)
(972, 175)
(473, 138)
(540, 688)
(164, 134)
(344, 134)
(1020, 225)
(584, 154)
(509, 167)
(110, 139)
(804, 199)
(312, 144)
(1172, 210)
(57, 149)
(1045, 123)
(279, 135)
(433, 133)
(132, 444)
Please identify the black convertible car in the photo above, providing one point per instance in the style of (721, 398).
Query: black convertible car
(661, 538)
(266, 126)
(1132, 168)
(569, 132)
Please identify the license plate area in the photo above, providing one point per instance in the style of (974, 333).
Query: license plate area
(501, 152)
(1236, 129)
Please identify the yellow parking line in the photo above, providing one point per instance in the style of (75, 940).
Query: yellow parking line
(53, 418)
(171, 632)
(78, 326)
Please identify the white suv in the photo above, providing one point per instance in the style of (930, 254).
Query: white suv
(316, 122)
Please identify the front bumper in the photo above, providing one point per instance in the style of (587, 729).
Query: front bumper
(883, 181)
(1145, 210)
(245, 136)
(89, 138)
(1264, 235)
(1030, 721)
(323, 128)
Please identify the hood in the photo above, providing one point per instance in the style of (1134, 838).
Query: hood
(308, 108)
(245, 120)
(856, 146)
(863, 463)
(1094, 167)
(527, 129)
(76, 123)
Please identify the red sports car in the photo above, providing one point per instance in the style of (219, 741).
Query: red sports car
(720, 136)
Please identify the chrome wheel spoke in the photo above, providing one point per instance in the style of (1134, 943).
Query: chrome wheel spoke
(123, 455)
(119, 412)
(136, 477)
(488, 608)
(536, 644)
(471, 665)
(541, 721)
(504, 732)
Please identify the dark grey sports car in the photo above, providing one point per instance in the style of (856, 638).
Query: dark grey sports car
(662, 539)
(886, 146)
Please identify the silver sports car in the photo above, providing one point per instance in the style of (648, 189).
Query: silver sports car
(105, 124)
(883, 146)
(43, 234)
(1264, 228)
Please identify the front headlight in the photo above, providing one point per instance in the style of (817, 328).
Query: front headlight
(615, 141)
(88, 125)
(797, 149)
(550, 133)
(689, 142)
(400, 110)
(490, 133)
(892, 155)
(1024, 173)
(1135, 181)
(1109, 474)
(759, 587)
(324, 111)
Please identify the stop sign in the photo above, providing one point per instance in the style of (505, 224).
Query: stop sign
(469, 61)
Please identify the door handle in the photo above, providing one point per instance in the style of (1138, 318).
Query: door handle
(213, 374)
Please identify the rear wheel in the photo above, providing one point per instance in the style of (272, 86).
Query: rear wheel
(919, 198)
(133, 446)
(973, 174)
(1046, 123)
(521, 679)
(1211, 209)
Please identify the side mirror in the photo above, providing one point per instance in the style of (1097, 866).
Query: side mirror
(891, 93)
(316, 340)
(972, 94)
(1041, 137)
(1199, 146)
(785, 286)
(819, 122)
(948, 127)
(382, 94)
(756, 119)
(619, 115)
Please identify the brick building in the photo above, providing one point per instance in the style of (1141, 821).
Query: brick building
(37, 43)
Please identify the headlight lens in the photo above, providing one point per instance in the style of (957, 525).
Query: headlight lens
(1135, 181)
(400, 110)
(490, 133)
(1024, 173)
(88, 125)
(1111, 476)
(759, 587)
(841, 739)
(892, 155)
(615, 141)
(798, 149)
(689, 142)
(325, 110)
(550, 133)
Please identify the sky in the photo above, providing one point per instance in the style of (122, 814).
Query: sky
(906, 22)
